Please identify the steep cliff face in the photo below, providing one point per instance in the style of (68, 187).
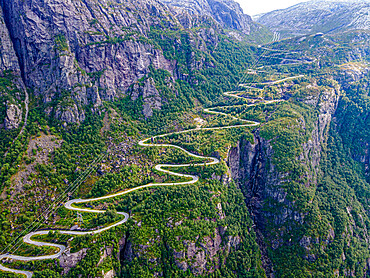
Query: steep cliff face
(226, 12)
(8, 59)
(69, 260)
(79, 53)
(252, 165)
(83, 51)
(352, 117)
(12, 92)
(281, 203)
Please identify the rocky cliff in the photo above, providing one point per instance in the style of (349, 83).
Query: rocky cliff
(253, 166)
(226, 12)
(77, 54)
(282, 201)
(318, 16)
(12, 91)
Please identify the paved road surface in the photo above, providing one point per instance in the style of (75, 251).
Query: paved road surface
(145, 143)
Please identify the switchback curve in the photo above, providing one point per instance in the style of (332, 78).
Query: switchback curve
(149, 142)
(160, 167)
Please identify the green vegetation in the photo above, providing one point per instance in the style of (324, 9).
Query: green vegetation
(303, 203)
(61, 43)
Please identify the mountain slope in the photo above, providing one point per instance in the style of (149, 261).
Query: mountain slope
(96, 50)
(318, 16)
(227, 12)
(289, 196)
(101, 75)
(13, 94)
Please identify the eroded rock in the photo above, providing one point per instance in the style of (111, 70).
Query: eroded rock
(69, 260)
(204, 257)
(13, 116)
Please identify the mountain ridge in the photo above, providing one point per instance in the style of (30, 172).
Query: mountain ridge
(318, 16)
(277, 180)
(227, 12)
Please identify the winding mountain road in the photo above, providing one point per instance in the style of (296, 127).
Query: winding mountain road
(149, 142)
(272, 82)
(160, 167)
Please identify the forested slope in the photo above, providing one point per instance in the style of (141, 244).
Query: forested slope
(289, 196)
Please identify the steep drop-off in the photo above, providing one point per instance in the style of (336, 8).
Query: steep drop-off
(79, 53)
(289, 198)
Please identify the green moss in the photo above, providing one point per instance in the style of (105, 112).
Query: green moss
(61, 43)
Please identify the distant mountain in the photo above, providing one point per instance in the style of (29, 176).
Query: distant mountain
(318, 16)
(226, 12)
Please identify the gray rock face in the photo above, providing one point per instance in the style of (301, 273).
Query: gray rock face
(8, 58)
(203, 258)
(70, 114)
(76, 53)
(70, 260)
(318, 16)
(9, 63)
(83, 52)
(327, 103)
(107, 251)
(226, 12)
(151, 97)
(109, 274)
(260, 182)
(13, 116)
(125, 249)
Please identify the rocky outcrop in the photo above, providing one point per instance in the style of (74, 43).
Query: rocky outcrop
(125, 249)
(70, 114)
(13, 116)
(107, 251)
(151, 97)
(363, 156)
(109, 274)
(227, 13)
(204, 257)
(69, 260)
(353, 72)
(9, 69)
(83, 52)
(259, 182)
(264, 187)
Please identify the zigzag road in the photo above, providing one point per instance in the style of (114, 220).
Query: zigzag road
(69, 205)
(160, 167)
